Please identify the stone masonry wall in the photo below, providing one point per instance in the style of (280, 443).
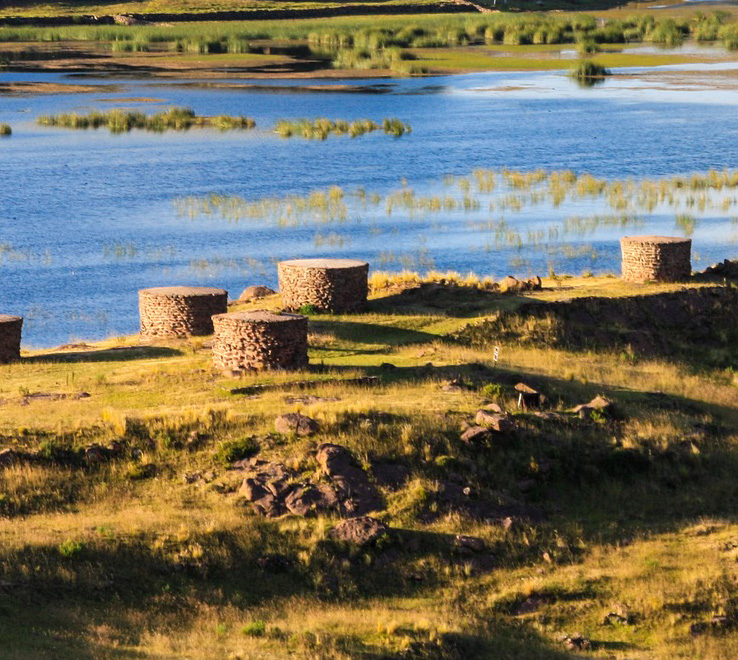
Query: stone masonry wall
(10, 338)
(331, 285)
(259, 340)
(656, 258)
(180, 311)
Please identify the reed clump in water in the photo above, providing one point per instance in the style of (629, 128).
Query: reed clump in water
(589, 73)
(5, 130)
(321, 128)
(123, 121)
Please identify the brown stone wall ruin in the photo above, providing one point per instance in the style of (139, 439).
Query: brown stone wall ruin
(259, 340)
(656, 258)
(10, 338)
(180, 311)
(330, 285)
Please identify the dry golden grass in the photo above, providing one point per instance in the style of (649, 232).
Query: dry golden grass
(161, 567)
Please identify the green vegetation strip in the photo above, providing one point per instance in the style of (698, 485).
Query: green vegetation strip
(388, 42)
(320, 129)
(121, 121)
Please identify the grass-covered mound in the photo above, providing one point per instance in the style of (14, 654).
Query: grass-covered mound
(133, 524)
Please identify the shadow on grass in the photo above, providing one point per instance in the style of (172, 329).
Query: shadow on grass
(94, 599)
(369, 333)
(445, 300)
(120, 354)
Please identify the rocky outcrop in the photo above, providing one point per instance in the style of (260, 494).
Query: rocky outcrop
(255, 293)
(274, 490)
(356, 493)
(295, 424)
(360, 531)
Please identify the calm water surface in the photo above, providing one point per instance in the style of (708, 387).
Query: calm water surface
(88, 218)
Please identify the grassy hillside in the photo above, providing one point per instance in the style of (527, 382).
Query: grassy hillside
(126, 532)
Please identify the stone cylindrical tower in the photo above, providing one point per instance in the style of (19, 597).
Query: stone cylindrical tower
(259, 340)
(180, 311)
(10, 338)
(656, 258)
(330, 285)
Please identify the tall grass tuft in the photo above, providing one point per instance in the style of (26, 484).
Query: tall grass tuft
(589, 73)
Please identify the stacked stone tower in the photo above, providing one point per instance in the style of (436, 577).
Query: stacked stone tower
(180, 311)
(656, 258)
(248, 341)
(330, 285)
(10, 338)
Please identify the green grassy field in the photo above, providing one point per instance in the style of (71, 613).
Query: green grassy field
(155, 554)
(372, 45)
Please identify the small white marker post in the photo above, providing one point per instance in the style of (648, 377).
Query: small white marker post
(496, 354)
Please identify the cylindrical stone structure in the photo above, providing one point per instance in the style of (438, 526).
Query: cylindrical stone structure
(656, 258)
(10, 338)
(329, 285)
(246, 341)
(180, 311)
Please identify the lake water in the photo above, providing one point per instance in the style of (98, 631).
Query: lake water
(88, 218)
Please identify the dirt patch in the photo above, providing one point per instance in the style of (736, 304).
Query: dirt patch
(19, 88)
(132, 99)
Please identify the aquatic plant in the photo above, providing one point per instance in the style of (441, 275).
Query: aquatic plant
(5, 130)
(123, 121)
(588, 73)
(321, 128)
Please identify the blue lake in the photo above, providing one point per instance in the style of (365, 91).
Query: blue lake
(87, 218)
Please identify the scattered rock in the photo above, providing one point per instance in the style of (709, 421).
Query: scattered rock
(508, 523)
(309, 499)
(475, 434)
(727, 269)
(549, 416)
(455, 385)
(493, 408)
(261, 497)
(453, 497)
(356, 493)
(577, 642)
(599, 403)
(510, 284)
(310, 399)
(360, 531)
(255, 292)
(614, 619)
(125, 19)
(493, 421)
(513, 285)
(528, 397)
(274, 490)
(95, 454)
(295, 423)
(718, 623)
(473, 543)
(530, 605)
